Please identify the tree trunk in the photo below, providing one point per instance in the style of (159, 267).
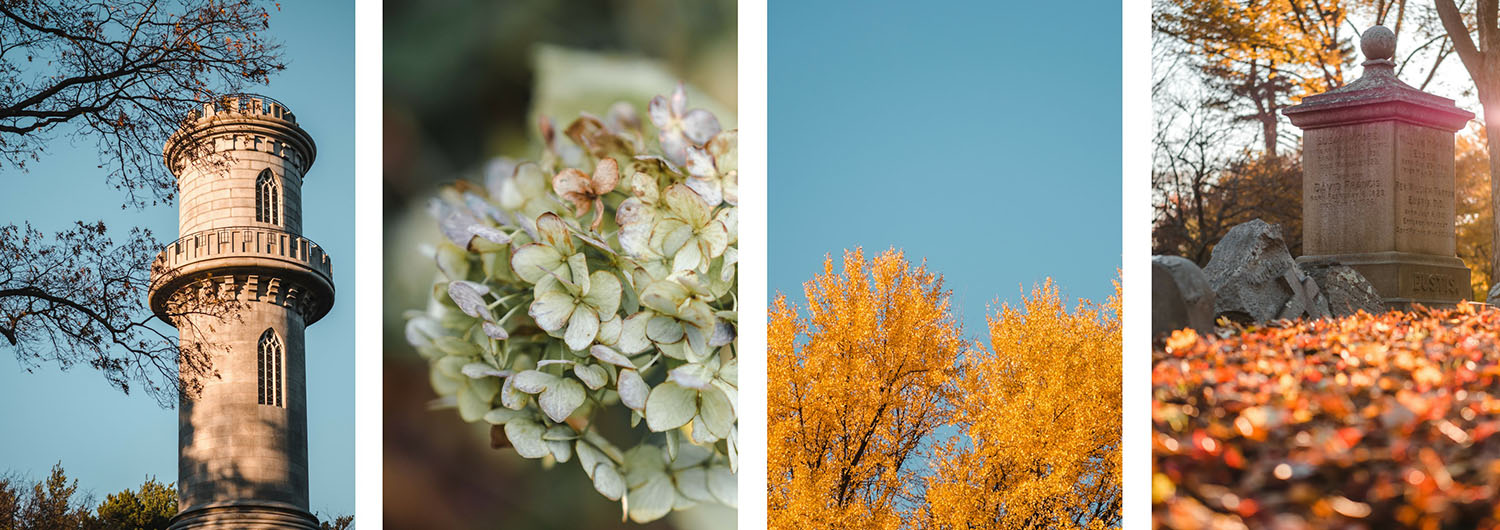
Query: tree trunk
(1492, 147)
(1482, 60)
(1268, 130)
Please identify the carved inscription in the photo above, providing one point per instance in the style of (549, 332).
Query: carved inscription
(1435, 284)
(1347, 164)
(1425, 193)
(1348, 191)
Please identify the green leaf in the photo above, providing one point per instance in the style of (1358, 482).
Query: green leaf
(715, 238)
(532, 262)
(609, 329)
(483, 370)
(717, 412)
(456, 346)
(494, 331)
(686, 203)
(688, 258)
(472, 404)
(633, 390)
(532, 381)
(583, 327)
(664, 329)
(693, 483)
(552, 309)
(579, 268)
(722, 484)
(633, 337)
(561, 451)
(511, 397)
(730, 372)
(670, 406)
(559, 433)
(609, 355)
(652, 500)
(608, 481)
(592, 376)
(555, 232)
(695, 376)
(589, 457)
(452, 262)
(641, 463)
(697, 344)
(526, 437)
(502, 416)
(732, 449)
(604, 293)
(561, 399)
(664, 296)
(469, 297)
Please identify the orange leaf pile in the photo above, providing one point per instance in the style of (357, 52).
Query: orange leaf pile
(1369, 421)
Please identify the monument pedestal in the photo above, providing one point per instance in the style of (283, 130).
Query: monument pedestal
(1406, 278)
(1378, 186)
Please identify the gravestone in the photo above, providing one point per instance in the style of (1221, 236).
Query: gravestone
(1181, 297)
(1378, 185)
(1255, 279)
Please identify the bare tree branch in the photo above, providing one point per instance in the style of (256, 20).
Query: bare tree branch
(123, 73)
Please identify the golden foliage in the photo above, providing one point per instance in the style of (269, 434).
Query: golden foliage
(859, 385)
(849, 408)
(1291, 45)
(1041, 415)
(1475, 223)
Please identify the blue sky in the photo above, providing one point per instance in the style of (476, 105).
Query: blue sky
(110, 441)
(983, 136)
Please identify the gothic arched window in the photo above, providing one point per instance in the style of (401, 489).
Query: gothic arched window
(269, 357)
(267, 198)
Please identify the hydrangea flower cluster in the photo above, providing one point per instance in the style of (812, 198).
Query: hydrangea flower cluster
(599, 280)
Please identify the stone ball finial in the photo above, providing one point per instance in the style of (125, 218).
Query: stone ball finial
(1377, 43)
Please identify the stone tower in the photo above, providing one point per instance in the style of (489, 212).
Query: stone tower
(242, 439)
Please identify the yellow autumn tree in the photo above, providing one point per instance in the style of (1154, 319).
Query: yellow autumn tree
(853, 388)
(1039, 413)
(1475, 217)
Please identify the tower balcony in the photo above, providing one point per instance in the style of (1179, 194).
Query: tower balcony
(243, 250)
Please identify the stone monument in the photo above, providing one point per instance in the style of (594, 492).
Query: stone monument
(1378, 185)
(242, 439)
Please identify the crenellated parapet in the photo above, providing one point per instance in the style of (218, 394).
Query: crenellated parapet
(240, 122)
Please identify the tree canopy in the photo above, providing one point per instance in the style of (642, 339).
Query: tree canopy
(881, 415)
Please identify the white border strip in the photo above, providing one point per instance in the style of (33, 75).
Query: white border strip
(368, 242)
(1135, 99)
(752, 293)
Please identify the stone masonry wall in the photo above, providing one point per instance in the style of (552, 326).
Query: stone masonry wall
(212, 197)
(232, 447)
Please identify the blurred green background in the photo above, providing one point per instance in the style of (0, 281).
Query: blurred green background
(464, 80)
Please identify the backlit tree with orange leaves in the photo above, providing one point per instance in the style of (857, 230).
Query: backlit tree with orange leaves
(882, 416)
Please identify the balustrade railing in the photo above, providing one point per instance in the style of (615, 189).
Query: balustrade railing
(244, 241)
